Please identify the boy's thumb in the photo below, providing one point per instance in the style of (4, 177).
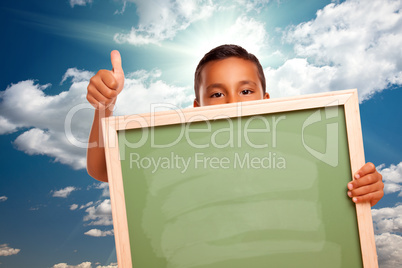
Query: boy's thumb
(116, 63)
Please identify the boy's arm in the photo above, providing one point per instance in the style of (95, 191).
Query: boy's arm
(367, 185)
(102, 93)
(96, 161)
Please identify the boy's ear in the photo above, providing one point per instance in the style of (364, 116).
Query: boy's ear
(196, 104)
(266, 95)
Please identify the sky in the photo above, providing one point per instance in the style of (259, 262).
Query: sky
(53, 214)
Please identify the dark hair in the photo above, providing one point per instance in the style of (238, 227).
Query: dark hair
(223, 52)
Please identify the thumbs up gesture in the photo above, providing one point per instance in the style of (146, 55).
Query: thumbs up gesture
(104, 87)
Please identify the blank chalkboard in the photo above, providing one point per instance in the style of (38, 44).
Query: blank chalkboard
(253, 184)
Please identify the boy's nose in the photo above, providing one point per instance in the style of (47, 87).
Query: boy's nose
(232, 98)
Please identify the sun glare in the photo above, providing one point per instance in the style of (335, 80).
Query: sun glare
(222, 27)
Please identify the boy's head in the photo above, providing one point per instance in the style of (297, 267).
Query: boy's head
(228, 73)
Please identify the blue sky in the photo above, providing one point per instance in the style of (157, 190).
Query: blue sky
(55, 215)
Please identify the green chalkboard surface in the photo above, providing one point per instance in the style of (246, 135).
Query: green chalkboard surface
(253, 197)
(257, 190)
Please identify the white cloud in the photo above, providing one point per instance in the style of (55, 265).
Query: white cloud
(123, 9)
(65, 265)
(87, 205)
(388, 230)
(58, 125)
(51, 143)
(297, 77)
(160, 19)
(392, 178)
(349, 45)
(387, 220)
(389, 250)
(6, 126)
(98, 233)
(105, 188)
(63, 193)
(73, 207)
(101, 214)
(252, 5)
(25, 105)
(112, 265)
(80, 2)
(3, 198)
(83, 265)
(76, 75)
(246, 32)
(5, 250)
(147, 87)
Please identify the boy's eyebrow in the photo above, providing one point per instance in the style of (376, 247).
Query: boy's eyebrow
(219, 85)
(215, 85)
(246, 82)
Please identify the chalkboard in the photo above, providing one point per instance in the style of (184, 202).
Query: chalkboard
(253, 184)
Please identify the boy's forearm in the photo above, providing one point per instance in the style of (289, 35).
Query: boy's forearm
(96, 161)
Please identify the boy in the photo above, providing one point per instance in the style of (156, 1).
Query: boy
(226, 74)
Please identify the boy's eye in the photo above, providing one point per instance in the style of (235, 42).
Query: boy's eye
(217, 95)
(246, 92)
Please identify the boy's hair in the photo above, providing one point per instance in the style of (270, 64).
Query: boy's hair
(223, 52)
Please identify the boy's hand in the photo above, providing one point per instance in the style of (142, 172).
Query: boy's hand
(104, 87)
(367, 185)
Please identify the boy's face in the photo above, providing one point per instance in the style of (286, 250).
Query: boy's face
(229, 80)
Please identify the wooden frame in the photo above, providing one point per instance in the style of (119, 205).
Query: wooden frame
(348, 99)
